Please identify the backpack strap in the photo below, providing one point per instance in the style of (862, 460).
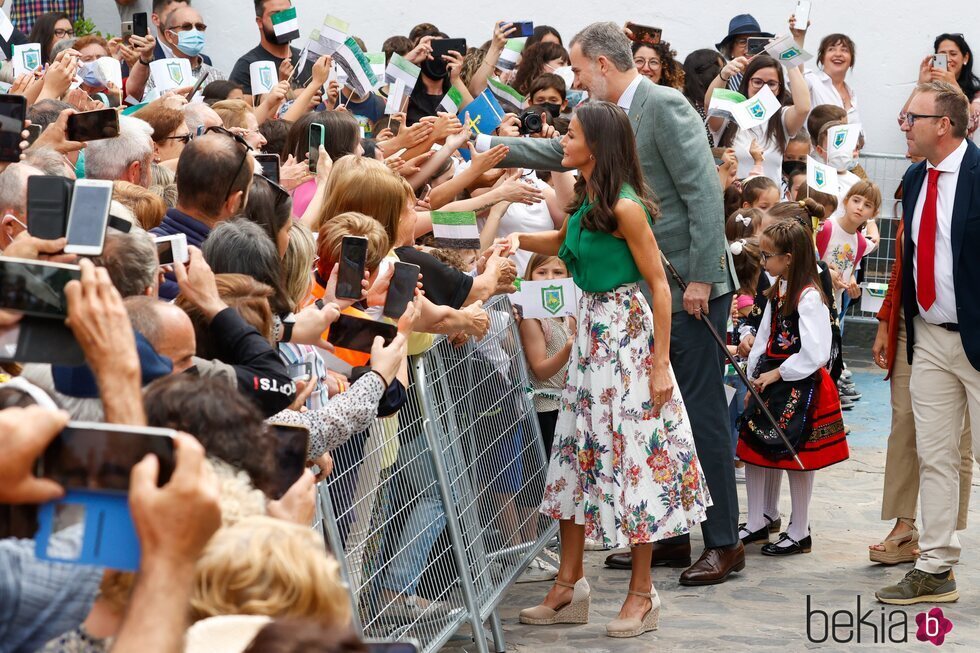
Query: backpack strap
(823, 237)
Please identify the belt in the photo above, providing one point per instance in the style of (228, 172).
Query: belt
(950, 326)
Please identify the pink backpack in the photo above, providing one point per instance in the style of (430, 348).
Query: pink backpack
(823, 239)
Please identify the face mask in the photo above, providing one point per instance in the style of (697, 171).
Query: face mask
(839, 160)
(792, 167)
(553, 109)
(190, 42)
(91, 75)
(433, 70)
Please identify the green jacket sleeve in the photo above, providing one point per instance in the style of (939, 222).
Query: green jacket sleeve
(531, 153)
(692, 169)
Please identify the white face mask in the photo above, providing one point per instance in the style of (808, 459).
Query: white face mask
(840, 160)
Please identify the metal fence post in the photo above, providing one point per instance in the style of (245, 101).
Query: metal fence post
(452, 518)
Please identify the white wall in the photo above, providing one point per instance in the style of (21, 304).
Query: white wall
(891, 37)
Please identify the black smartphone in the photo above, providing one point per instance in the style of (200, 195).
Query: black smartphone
(358, 334)
(198, 84)
(48, 200)
(524, 28)
(645, 33)
(317, 132)
(401, 289)
(93, 125)
(756, 45)
(33, 133)
(441, 47)
(140, 25)
(93, 456)
(292, 448)
(270, 166)
(13, 111)
(353, 258)
(40, 340)
(300, 371)
(35, 287)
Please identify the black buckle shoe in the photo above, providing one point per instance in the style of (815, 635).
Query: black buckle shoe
(773, 549)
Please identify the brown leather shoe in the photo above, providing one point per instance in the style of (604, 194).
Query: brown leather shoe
(664, 555)
(714, 566)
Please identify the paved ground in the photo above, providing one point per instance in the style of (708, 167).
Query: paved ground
(765, 607)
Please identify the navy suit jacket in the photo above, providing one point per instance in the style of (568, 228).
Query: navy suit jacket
(965, 237)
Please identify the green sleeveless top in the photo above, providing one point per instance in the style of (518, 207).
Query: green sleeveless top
(597, 261)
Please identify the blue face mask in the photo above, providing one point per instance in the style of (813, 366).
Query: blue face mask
(190, 42)
(91, 75)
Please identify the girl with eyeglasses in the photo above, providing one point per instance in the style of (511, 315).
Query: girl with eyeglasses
(759, 72)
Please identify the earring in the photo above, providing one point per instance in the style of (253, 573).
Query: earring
(592, 157)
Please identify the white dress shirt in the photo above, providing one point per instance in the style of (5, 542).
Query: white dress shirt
(822, 91)
(815, 337)
(943, 310)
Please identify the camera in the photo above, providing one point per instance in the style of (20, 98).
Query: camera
(530, 122)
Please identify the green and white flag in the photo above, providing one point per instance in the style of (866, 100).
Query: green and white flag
(396, 97)
(543, 299)
(314, 49)
(786, 51)
(723, 102)
(505, 93)
(400, 68)
(351, 59)
(333, 34)
(452, 102)
(285, 25)
(511, 54)
(377, 61)
(455, 229)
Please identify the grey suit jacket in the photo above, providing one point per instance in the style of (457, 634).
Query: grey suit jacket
(678, 166)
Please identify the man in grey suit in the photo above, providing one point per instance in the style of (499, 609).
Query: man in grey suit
(678, 166)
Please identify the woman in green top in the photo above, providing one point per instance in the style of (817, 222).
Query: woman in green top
(623, 466)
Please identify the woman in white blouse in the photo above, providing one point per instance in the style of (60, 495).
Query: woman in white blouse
(759, 72)
(828, 85)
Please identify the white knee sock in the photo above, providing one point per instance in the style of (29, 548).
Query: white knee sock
(774, 479)
(800, 491)
(755, 490)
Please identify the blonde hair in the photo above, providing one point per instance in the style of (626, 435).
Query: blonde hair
(869, 191)
(233, 113)
(148, 208)
(297, 263)
(331, 237)
(266, 566)
(365, 186)
(238, 497)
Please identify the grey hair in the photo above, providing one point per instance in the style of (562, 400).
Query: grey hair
(13, 187)
(605, 40)
(196, 115)
(145, 317)
(45, 112)
(109, 158)
(48, 161)
(131, 261)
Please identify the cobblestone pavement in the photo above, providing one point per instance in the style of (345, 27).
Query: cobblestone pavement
(765, 607)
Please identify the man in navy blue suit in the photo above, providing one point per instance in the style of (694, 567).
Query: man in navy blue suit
(941, 300)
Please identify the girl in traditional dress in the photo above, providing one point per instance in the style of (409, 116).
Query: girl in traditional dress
(788, 366)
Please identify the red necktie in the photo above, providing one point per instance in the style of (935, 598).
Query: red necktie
(925, 248)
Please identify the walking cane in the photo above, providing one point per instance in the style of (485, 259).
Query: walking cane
(738, 368)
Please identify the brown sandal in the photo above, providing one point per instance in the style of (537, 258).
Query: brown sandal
(898, 548)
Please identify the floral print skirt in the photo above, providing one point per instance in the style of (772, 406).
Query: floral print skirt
(629, 476)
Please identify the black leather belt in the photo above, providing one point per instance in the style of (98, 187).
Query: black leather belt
(950, 326)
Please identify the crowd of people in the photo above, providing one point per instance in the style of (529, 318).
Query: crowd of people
(666, 214)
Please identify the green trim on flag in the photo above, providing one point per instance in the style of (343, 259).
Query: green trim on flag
(283, 16)
(453, 218)
(452, 101)
(729, 95)
(506, 92)
(516, 45)
(337, 24)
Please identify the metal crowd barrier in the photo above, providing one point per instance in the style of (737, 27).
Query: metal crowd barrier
(433, 512)
(886, 170)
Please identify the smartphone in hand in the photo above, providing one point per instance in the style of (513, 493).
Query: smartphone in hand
(13, 112)
(404, 281)
(353, 259)
(317, 135)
